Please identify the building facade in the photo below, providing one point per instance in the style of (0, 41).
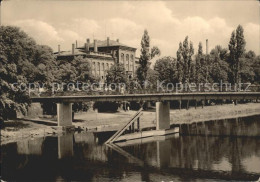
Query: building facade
(102, 55)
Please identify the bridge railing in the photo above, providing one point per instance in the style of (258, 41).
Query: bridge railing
(252, 88)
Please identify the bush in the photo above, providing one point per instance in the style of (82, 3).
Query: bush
(106, 106)
(49, 108)
(135, 105)
(81, 106)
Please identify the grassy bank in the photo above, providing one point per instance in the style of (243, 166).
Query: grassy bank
(17, 129)
(113, 121)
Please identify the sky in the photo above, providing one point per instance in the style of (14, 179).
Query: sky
(168, 22)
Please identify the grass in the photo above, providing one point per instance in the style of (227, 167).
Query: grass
(14, 125)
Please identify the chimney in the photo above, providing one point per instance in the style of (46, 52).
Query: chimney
(107, 41)
(86, 47)
(95, 46)
(117, 40)
(207, 48)
(73, 49)
(59, 49)
(76, 44)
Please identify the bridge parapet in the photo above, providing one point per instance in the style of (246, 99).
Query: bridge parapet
(150, 97)
(252, 88)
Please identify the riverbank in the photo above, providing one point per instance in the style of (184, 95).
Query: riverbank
(113, 121)
(15, 130)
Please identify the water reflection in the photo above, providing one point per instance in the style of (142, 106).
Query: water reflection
(83, 157)
(27, 147)
(247, 126)
(65, 146)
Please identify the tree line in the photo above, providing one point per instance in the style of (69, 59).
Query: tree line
(233, 64)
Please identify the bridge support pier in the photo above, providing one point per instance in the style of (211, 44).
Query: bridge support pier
(64, 114)
(162, 115)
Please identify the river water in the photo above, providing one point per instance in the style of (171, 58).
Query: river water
(208, 151)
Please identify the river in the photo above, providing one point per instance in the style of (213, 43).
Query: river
(207, 151)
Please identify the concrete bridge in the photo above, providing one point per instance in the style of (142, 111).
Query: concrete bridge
(64, 103)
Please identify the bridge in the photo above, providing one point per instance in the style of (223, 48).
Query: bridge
(64, 103)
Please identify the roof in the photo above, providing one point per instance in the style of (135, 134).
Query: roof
(103, 43)
(78, 52)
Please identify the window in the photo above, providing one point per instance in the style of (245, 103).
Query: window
(93, 67)
(131, 62)
(130, 67)
(122, 57)
(132, 58)
(107, 66)
(127, 63)
(98, 68)
(103, 67)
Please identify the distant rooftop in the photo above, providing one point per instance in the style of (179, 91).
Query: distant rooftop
(78, 52)
(100, 43)
(103, 43)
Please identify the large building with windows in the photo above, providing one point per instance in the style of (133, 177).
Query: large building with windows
(103, 54)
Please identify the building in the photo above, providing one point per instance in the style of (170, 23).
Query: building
(102, 55)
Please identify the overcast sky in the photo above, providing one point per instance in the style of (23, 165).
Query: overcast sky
(168, 22)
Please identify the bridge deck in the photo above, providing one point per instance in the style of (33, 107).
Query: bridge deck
(151, 97)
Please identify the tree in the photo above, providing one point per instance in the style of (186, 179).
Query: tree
(222, 53)
(256, 67)
(248, 67)
(155, 51)
(152, 77)
(46, 64)
(232, 55)
(237, 48)
(83, 69)
(219, 69)
(11, 100)
(184, 60)
(250, 55)
(247, 71)
(145, 57)
(116, 74)
(193, 72)
(166, 68)
(200, 65)
(179, 64)
(22, 61)
(67, 73)
(77, 71)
